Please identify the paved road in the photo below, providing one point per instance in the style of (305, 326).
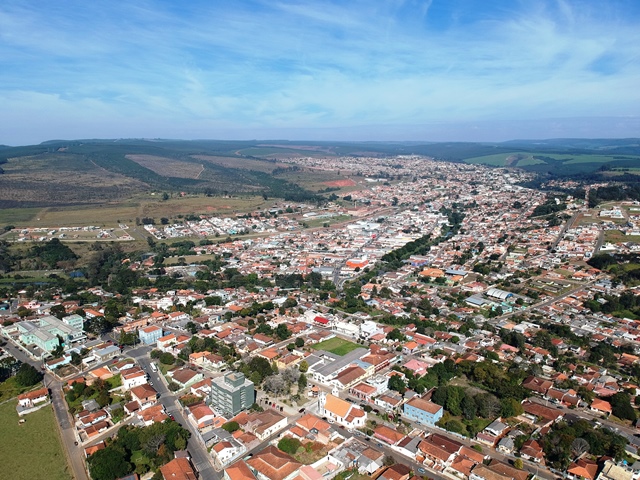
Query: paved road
(199, 455)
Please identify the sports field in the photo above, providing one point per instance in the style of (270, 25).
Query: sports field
(336, 345)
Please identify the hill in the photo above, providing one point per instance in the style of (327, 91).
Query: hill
(75, 172)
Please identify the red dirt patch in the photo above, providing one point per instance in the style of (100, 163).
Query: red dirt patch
(340, 183)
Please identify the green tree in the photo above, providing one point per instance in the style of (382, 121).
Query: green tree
(58, 311)
(28, 375)
(299, 342)
(231, 427)
(303, 366)
(108, 464)
(621, 406)
(518, 463)
(289, 445)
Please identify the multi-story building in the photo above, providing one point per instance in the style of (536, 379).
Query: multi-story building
(231, 394)
(150, 334)
(46, 332)
(423, 411)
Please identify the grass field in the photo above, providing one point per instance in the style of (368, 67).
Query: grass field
(109, 215)
(505, 159)
(336, 345)
(616, 236)
(31, 450)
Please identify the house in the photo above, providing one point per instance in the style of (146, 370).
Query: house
(185, 376)
(151, 415)
(150, 334)
(531, 450)
(314, 428)
(396, 472)
(178, 469)
(389, 401)
(341, 411)
(261, 424)
(238, 471)
(31, 399)
(497, 471)
(611, 471)
(225, 452)
(492, 432)
(273, 464)
(388, 435)
(600, 406)
(423, 411)
(145, 395)
(363, 391)
(410, 347)
(132, 377)
(201, 415)
(439, 450)
(164, 343)
(583, 468)
(536, 384)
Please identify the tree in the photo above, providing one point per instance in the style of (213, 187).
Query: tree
(58, 311)
(299, 342)
(621, 406)
(231, 427)
(262, 366)
(289, 445)
(28, 375)
(167, 358)
(108, 464)
(396, 335)
(518, 463)
(275, 384)
(397, 383)
(579, 446)
(469, 407)
(302, 382)
(303, 366)
(282, 332)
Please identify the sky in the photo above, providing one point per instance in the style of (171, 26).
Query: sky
(427, 70)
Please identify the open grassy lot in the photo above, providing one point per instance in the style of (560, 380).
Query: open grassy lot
(336, 345)
(167, 167)
(9, 389)
(240, 162)
(13, 216)
(616, 236)
(31, 450)
(112, 214)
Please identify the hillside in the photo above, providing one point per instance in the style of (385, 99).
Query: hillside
(61, 172)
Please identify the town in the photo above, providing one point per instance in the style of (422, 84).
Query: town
(432, 320)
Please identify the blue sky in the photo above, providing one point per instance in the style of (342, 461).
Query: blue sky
(464, 70)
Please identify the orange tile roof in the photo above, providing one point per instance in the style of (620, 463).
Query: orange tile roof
(337, 406)
(239, 471)
(178, 469)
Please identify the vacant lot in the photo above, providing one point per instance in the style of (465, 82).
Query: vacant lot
(336, 345)
(30, 449)
(240, 162)
(168, 167)
(148, 205)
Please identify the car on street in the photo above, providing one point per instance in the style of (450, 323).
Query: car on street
(421, 471)
(301, 410)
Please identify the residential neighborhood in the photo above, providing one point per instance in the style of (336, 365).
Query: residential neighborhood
(455, 325)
